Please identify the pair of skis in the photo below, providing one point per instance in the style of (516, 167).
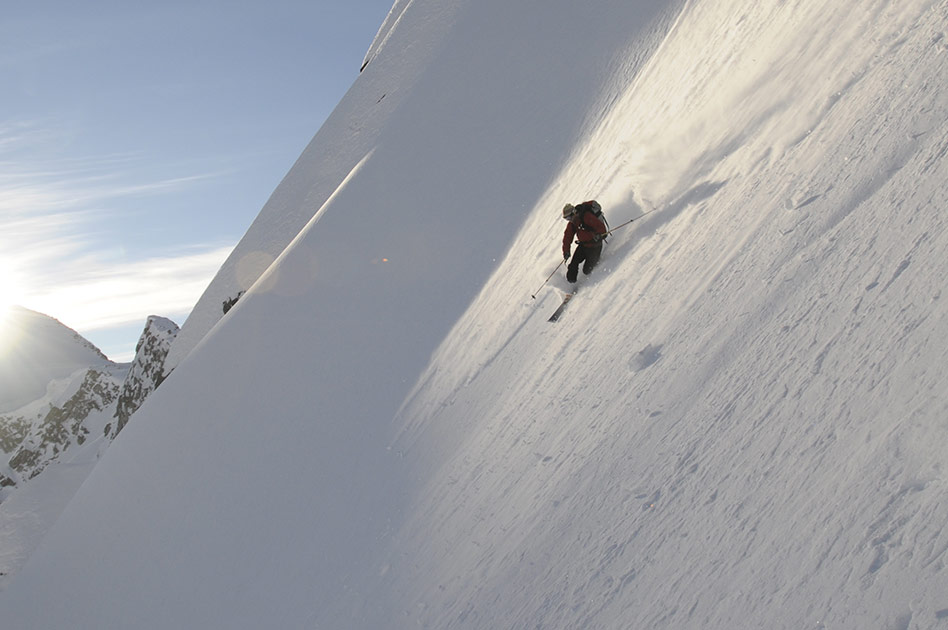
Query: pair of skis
(566, 296)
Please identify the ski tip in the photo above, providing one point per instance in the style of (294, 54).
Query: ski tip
(559, 311)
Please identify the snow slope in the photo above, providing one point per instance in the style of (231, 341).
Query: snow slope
(32, 508)
(739, 421)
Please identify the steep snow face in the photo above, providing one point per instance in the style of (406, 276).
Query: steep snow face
(737, 422)
(36, 349)
(348, 136)
(474, 108)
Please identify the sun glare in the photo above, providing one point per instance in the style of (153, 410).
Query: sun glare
(9, 296)
(6, 340)
(6, 297)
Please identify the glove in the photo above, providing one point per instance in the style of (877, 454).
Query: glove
(565, 256)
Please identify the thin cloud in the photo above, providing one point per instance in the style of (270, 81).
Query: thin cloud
(96, 294)
(52, 251)
(163, 186)
(32, 193)
(31, 181)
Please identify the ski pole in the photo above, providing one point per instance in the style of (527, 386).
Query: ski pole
(627, 222)
(534, 296)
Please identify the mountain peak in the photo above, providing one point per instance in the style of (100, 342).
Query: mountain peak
(36, 349)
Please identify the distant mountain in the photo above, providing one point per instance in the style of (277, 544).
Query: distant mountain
(74, 411)
(36, 349)
(58, 390)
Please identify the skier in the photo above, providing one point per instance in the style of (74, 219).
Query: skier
(586, 224)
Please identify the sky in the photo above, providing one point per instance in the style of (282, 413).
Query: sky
(138, 141)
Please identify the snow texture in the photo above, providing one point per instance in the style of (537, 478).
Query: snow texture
(739, 422)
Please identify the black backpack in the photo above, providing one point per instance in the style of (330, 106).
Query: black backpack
(591, 206)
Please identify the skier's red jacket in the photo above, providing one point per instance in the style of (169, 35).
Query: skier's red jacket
(585, 226)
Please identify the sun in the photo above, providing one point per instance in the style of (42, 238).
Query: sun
(10, 295)
(6, 330)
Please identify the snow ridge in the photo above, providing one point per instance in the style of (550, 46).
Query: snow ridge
(388, 26)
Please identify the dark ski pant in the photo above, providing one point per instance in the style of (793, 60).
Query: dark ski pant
(585, 255)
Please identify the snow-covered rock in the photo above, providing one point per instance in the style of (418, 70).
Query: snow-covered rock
(146, 371)
(60, 384)
(65, 424)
